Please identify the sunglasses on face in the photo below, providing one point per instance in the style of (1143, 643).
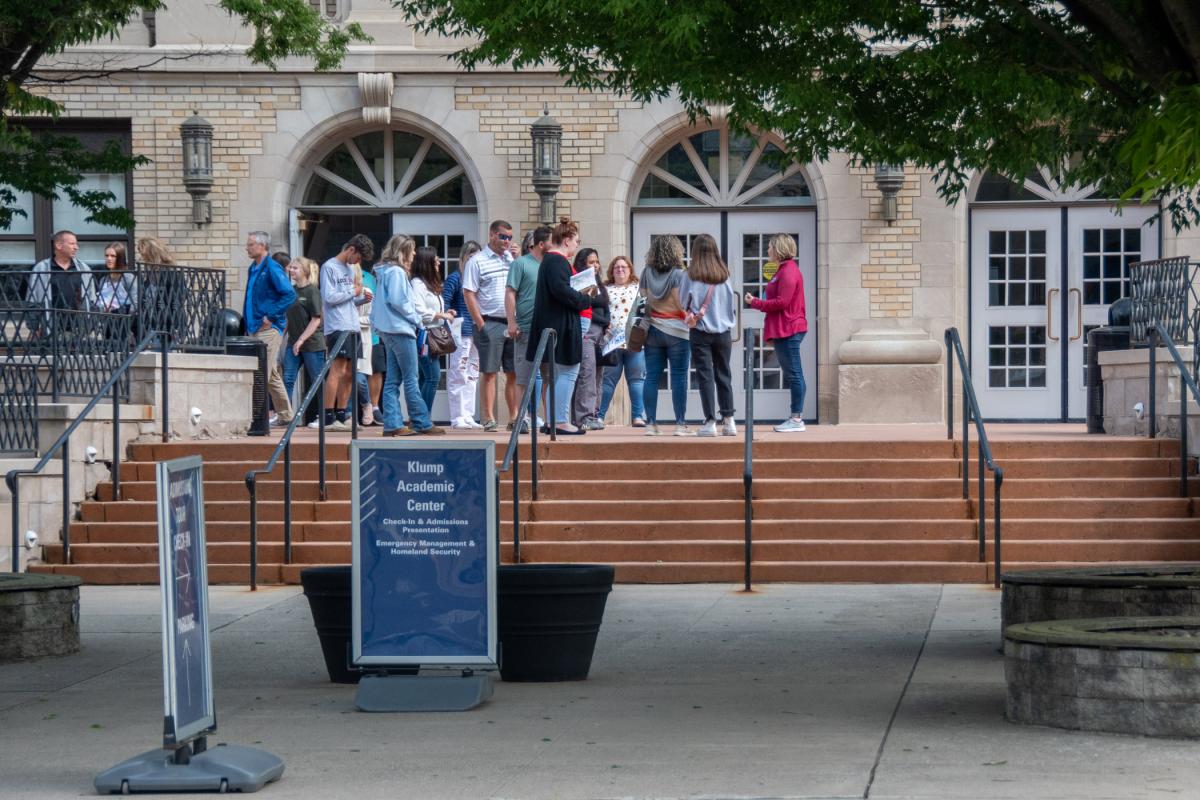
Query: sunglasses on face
(504, 237)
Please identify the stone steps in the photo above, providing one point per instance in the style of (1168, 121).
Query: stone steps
(670, 509)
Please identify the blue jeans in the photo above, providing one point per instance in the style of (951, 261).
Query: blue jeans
(634, 367)
(661, 350)
(364, 392)
(787, 351)
(564, 387)
(312, 367)
(402, 368)
(431, 372)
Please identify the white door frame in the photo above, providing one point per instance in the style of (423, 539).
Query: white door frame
(728, 228)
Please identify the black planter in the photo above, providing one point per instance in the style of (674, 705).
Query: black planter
(328, 593)
(549, 617)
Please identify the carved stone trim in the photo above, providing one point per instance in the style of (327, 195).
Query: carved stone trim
(376, 89)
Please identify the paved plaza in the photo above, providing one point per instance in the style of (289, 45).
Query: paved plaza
(796, 691)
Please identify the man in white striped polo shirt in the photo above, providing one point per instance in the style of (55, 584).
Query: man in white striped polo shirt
(485, 278)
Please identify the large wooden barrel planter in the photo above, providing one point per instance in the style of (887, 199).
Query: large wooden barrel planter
(1098, 592)
(328, 591)
(39, 616)
(1133, 675)
(549, 618)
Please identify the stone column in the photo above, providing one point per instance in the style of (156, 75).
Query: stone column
(890, 376)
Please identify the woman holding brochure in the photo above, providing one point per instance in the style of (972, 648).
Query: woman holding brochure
(593, 322)
(622, 285)
(557, 305)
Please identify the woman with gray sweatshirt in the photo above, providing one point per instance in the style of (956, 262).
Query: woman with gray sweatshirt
(667, 340)
(709, 307)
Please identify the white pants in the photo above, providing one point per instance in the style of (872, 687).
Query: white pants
(462, 376)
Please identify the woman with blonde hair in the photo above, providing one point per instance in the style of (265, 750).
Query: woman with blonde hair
(710, 312)
(163, 291)
(786, 323)
(305, 341)
(622, 284)
(395, 317)
(153, 252)
(667, 340)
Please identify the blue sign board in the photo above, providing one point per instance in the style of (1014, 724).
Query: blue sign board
(424, 559)
(183, 570)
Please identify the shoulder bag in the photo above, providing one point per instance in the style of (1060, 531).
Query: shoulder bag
(440, 340)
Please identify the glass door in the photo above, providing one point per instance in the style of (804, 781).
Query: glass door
(1017, 321)
(1101, 247)
(686, 226)
(749, 234)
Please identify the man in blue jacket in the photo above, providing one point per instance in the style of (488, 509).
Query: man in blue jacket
(269, 293)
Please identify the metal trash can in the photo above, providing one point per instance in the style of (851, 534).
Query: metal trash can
(260, 422)
(1101, 339)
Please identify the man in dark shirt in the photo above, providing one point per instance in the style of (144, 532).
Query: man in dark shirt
(60, 281)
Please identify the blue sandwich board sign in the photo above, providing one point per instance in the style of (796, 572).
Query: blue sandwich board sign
(424, 560)
(183, 569)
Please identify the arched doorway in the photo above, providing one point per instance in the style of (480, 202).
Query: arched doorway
(383, 181)
(1046, 261)
(738, 190)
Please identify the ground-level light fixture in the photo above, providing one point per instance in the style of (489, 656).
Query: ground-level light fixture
(197, 134)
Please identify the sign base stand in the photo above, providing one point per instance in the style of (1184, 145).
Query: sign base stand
(224, 768)
(423, 692)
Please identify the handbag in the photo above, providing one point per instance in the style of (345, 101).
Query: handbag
(440, 340)
(637, 327)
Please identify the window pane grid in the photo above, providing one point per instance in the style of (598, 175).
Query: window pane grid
(1017, 357)
(1107, 254)
(1016, 268)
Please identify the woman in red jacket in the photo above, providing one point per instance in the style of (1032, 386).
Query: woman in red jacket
(786, 324)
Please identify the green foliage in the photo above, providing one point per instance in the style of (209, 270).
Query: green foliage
(54, 165)
(1100, 91)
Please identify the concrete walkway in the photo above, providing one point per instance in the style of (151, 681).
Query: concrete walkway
(799, 691)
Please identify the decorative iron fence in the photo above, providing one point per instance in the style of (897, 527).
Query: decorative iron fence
(18, 410)
(1163, 292)
(72, 353)
(187, 302)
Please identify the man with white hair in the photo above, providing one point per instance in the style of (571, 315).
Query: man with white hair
(269, 294)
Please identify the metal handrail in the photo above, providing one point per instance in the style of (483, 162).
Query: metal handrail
(285, 447)
(1155, 331)
(749, 336)
(970, 411)
(62, 446)
(549, 339)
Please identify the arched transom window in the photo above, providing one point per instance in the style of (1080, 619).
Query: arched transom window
(1039, 186)
(717, 168)
(388, 169)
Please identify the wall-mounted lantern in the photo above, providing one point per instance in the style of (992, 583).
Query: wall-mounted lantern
(547, 163)
(889, 178)
(197, 134)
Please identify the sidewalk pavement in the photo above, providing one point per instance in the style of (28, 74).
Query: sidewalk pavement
(796, 691)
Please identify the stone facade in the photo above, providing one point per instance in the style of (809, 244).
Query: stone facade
(272, 128)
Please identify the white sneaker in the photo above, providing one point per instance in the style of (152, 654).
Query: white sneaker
(682, 430)
(314, 424)
(792, 425)
(459, 425)
(338, 425)
(472, 423)
(729, 427)
(707, 429)
(652, 429)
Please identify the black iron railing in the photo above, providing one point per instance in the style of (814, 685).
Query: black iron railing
(971, 413)
(1157, 333)
(61, 445)
(18, 410)
(73, 353)
(188, 302)
(512, 457)
(749, 335)
(1164, 292)
(284, 448)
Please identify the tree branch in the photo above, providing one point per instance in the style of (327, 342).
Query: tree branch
(1152, 58)
(1184, 16)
